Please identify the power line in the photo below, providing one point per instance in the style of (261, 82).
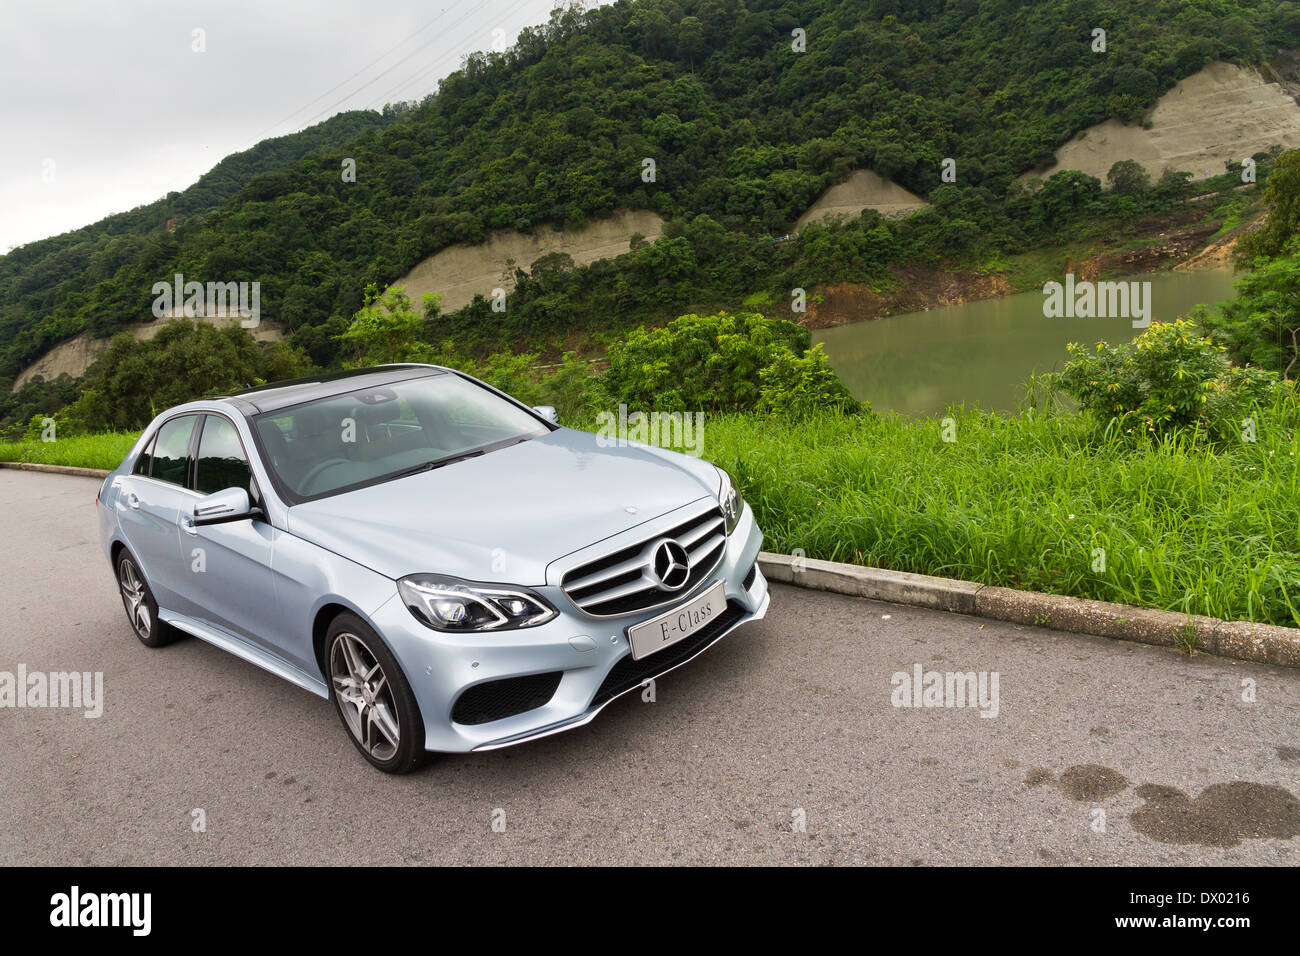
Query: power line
(435, 66)
(330, 109)
(390, 50)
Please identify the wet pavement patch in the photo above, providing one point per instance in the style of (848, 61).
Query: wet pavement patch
(1223, 815)
(1083, 782)
(1288, 753)
(1091, 782)
(1038, 776)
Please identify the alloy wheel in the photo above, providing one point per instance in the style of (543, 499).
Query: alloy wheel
(365, 696)
(134, 598)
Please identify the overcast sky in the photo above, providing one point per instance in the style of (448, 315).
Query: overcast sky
(104, 105)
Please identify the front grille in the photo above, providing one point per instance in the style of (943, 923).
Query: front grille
(629, 673)
(498, 699)
(623, 582)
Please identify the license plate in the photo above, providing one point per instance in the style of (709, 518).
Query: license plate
(667, 629)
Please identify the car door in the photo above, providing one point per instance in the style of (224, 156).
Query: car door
(149, 505)
(229, 564)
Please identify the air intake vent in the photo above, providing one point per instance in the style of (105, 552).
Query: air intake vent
(629, 673)
(498, 699)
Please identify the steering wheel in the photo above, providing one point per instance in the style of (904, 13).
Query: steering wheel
(304, 486)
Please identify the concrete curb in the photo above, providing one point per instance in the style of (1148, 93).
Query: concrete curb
(56, 469)
(1242, 640)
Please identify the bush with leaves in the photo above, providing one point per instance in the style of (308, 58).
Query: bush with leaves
(133, 380)
(386, 328)
(1261, 324)
(1168, 380)
(1128, 177)
(1282, 197)
(803, 385)
(703, 362)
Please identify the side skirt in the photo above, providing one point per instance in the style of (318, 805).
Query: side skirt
(245, 651)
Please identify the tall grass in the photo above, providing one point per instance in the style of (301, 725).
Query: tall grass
(84, 451)
(1023, 502)
(1031, 502)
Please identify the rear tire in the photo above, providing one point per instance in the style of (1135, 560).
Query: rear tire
(372, 697)
(141, 608)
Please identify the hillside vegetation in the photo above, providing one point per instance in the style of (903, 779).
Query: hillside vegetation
(744, 131)
(49, 288)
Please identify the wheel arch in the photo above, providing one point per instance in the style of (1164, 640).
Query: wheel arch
(320, 625)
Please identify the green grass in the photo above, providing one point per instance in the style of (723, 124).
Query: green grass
(1020, 502)
(1023, 502)
(84, 451)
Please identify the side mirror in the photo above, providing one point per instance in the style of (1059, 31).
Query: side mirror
(230, 504)
(548, 412)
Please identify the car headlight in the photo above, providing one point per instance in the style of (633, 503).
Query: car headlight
(729, 501)
(449, 604)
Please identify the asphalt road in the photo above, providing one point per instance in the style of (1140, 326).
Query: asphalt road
(787, 721)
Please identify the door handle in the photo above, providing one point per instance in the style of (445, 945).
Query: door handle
(133, 500)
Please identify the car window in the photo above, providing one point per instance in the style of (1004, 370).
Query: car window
(171, 450)
(373, 434)
(221, 461)
(146, 458)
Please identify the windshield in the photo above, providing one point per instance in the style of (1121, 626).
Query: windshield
(376, 434)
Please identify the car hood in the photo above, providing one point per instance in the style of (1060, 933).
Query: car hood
(506, 515)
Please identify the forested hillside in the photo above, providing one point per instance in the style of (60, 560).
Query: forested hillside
(45, 278)
(745, 133)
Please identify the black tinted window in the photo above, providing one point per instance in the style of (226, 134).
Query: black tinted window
(221, 463)
(146, 458)
(171, 448)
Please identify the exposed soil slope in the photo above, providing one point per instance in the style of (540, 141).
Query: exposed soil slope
(1219, 113)
(75, 355)
(862, 190)
(461, 272)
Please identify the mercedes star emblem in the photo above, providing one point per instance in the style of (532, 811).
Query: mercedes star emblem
(670, 565)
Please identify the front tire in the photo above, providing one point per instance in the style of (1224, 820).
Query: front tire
(372, 697)
(141, 608)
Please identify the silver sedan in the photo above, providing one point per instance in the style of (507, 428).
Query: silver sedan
(453, 569)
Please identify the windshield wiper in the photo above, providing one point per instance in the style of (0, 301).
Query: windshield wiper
(437, 463)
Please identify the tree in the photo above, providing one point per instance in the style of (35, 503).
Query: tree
(384, 330)
(1282, 197)
(134, 380)
(1128, 178)
(690, 39)
(1066, 195)
(1261, 324)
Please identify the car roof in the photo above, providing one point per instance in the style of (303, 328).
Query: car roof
(277, 395)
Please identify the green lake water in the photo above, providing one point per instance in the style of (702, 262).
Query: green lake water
(981, 353)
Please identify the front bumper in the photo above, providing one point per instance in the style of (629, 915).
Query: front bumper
(583, 649)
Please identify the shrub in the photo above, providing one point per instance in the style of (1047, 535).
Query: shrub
(801, 386)
(132, 380)
(1168, 380)
(384, 329)
(705, 362)
(1262, 324)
